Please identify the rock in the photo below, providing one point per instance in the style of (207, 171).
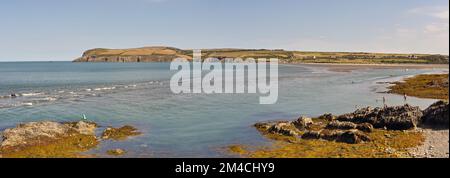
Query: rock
(116, 152)
(350, 136)
(283, 128)
(263, 126)
(393, 118)
(303, 123)
(83, 127)
(28, 133)
(311, 135)
(48, 140)
(119, 133)
(341, 125)
(365, 127)
(353, 137)
(437, 115)
(24, 134)
(358, 115)
(330, 135)
(328, 117)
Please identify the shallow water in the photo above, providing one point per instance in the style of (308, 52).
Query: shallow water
(187, 125)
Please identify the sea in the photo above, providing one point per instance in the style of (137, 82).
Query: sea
(182, 125)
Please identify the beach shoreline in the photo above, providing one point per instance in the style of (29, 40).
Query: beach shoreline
(337, 67)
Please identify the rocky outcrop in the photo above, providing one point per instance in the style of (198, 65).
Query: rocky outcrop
(393, 118)
(55, 140)
(437, 115)
(354, 128)
(29, 133)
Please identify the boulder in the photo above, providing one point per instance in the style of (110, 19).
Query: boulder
(437, 115)
(303, 123)
(330, 135)
(283, 128)
(352, 137)
(393, 118)
(341, 125)
(365, 127)
(311, 135)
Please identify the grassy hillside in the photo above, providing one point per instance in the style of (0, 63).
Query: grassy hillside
(167, 54)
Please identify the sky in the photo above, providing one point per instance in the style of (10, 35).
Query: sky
(60, 30)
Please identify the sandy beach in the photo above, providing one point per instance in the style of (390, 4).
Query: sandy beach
(351, 67)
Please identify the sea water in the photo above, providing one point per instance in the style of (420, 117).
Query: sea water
(181, 125)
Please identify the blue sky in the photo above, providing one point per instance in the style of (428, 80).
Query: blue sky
(62, 29)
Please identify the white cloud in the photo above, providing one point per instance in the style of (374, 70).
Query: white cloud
(439, 12)
(437, 28)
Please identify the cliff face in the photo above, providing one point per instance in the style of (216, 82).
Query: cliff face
(167, 54)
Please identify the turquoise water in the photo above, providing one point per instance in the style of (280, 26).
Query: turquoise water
(186, 125)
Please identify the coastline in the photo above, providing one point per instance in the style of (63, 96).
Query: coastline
(423, 141)
(337, 67)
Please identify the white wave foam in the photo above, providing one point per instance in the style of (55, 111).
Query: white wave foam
(30, 94)
(105, 88)
(27, 104)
